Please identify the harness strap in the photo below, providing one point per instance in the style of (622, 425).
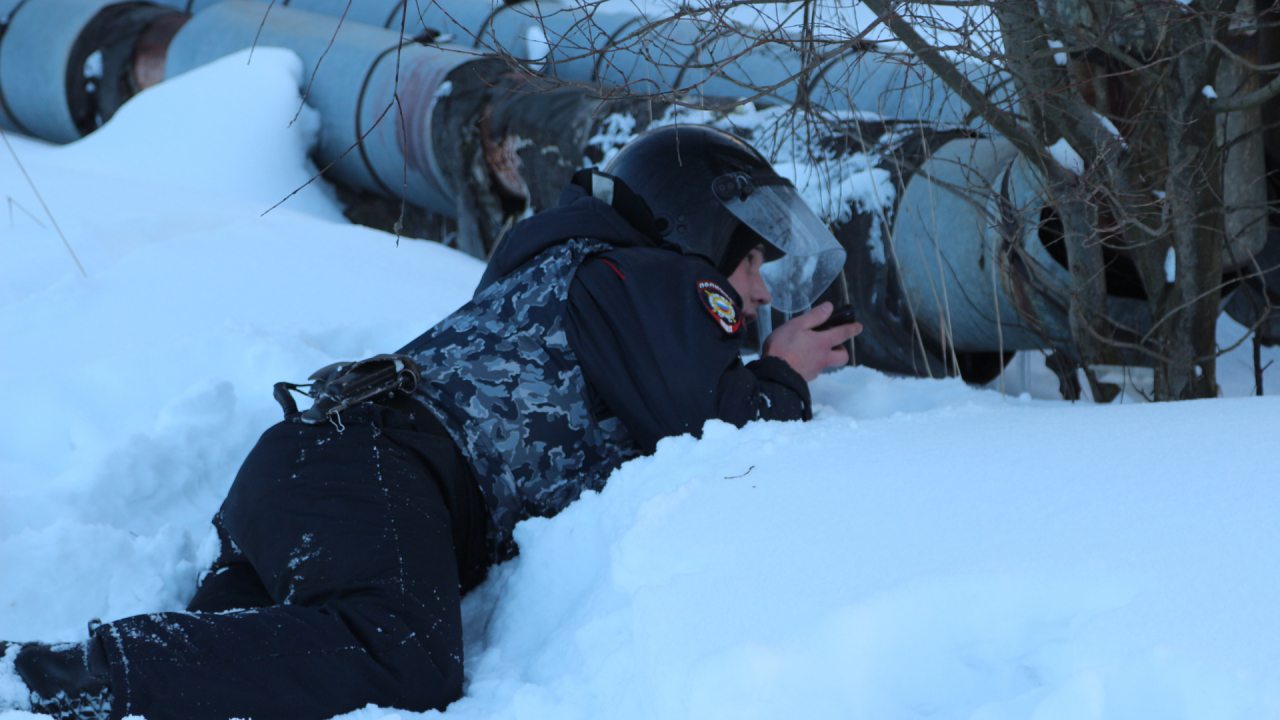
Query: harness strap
(338, 386)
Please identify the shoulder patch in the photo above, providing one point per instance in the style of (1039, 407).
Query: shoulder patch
(720, 305)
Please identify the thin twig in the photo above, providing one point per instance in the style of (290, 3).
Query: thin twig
(316, 69)
(259, 33)
(404, 129)
(1248, 100)
(318, 175)
(12, 203)
(1258, 368)
(44, 205)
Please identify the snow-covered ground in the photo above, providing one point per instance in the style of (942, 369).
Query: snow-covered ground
(921, 549)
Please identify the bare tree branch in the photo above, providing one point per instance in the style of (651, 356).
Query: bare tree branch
(1248, 100)
(947, 71)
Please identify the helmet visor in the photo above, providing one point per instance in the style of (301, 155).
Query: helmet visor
(813, 257)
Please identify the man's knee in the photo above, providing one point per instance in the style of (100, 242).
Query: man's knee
(315, 503)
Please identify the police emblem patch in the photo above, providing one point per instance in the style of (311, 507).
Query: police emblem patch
(721, 307)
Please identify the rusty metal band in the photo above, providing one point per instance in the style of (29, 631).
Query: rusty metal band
(421, 110)
(152, 49)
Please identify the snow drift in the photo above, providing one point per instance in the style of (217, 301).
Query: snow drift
(921, 549)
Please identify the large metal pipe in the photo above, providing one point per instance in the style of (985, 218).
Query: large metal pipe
(952, 271)
(579, 45)
(6, 16)
(704, 58)
(969, 199)
(908, 271)
(66, 65)
(371, 144)
(51, 62)
(494, 151)
(967, 264)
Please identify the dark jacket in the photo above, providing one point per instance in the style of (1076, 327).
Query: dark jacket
(588, 341)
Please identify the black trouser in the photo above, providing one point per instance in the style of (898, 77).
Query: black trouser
(338, 584)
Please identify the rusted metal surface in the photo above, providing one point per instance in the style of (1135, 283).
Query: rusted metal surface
(503, 161)
(152, 49)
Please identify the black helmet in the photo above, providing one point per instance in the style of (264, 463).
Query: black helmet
(717, 196)
(673, 169)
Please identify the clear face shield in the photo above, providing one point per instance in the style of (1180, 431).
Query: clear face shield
(773, 209)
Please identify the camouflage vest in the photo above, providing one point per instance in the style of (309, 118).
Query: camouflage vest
(501, 377)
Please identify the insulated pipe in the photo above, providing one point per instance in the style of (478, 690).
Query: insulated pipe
(953, 230)
(375, 13)
(67, 65)
(579, 45)
(597, 49)
(7, 8)
(371, 144)
(36, 66)
(969, 265)
(903, 269)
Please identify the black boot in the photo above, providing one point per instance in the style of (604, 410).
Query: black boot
(14, 694)
(67, 681)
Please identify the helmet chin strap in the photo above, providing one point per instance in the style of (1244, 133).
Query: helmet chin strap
(764, 323)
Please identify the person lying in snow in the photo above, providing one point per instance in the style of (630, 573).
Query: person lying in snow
(350, 535)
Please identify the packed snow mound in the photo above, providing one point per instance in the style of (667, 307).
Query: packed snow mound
(921, 549)
(194, 154)
(947, 562)
(144, 385)
(212, 130)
